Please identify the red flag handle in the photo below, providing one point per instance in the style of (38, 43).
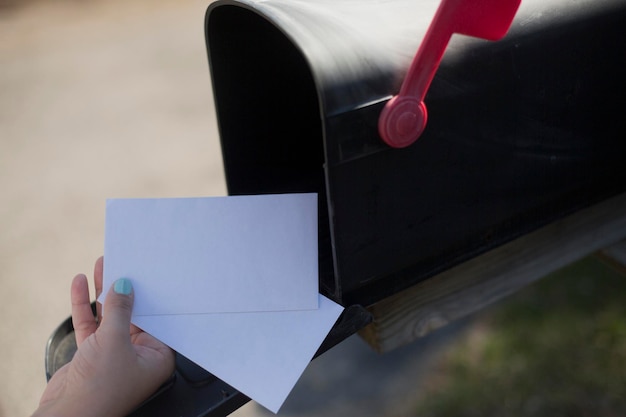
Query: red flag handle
(403, 118)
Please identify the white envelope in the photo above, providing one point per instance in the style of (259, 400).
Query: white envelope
(229, 282)
(260, 354)
(215, 254)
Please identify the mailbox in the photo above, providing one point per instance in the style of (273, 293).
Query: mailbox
(520, 132)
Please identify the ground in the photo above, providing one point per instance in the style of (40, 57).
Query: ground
(97, 99)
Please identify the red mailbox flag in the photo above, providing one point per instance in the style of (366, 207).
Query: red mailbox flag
(404, 117)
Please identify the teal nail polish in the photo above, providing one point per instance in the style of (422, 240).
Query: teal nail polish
(123, 286)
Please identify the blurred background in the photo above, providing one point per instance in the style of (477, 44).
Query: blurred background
(104, 99)
(98, 99)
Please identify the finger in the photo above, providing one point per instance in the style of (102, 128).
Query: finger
(82, 316)
(97, 279)
(118, 307)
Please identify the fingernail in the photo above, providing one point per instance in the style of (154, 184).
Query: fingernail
(123, 286)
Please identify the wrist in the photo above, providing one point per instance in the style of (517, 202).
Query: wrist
(55, 409)
(71, 407)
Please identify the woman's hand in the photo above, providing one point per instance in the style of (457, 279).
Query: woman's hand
(116, 367)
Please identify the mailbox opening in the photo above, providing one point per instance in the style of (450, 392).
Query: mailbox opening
(269, 115)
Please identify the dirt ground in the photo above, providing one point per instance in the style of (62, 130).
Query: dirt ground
(97, 99)
(113, 99)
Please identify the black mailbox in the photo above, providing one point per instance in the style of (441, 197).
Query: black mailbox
(521, 132)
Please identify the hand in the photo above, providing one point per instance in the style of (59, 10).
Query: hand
(114, 369)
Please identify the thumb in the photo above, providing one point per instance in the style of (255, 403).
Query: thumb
(118, 308)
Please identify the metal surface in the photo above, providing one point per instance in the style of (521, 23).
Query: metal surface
(192, 391)
(521, 132)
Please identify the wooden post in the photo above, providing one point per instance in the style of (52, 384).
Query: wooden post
(468, 287)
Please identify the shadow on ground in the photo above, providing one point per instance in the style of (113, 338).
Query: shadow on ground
(352, 379)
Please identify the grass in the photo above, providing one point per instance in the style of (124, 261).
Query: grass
(557, 348)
